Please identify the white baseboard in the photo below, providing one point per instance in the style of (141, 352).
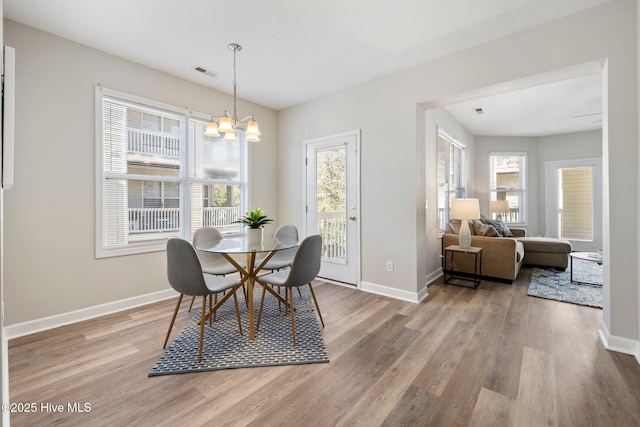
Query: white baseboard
(393, 292)
(51, 322)
(619, 344)
(409, 296)
(433, 276)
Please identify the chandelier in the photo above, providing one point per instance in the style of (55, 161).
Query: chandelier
(228, 124)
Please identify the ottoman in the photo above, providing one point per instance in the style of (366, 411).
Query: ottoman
(546, 251)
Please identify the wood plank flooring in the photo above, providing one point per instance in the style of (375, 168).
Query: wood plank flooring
(486, 357)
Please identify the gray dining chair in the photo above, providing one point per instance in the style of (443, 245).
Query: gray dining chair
(211, 263)
(283, 258)
(215, 264)
(304, 269)
(185, 276)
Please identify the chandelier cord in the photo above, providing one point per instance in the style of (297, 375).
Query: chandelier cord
(235, 110)
(229, 123)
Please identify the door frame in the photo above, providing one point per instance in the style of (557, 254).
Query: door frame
(357, 244)
(551, 202)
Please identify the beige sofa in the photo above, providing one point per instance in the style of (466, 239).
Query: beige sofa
(502, 257)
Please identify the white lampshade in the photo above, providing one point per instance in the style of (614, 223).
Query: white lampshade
(225, 124)
(465, 209)
(252, 128)
(252, 133)
(212, 129)
(252, 138)
(230, 136)
(498, 206)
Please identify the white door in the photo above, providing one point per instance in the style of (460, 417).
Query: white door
(574, 202)
(332, 203)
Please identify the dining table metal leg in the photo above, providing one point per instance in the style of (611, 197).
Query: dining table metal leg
(250, 277)
(251, 258)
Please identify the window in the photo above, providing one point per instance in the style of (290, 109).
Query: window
(451, 175)
(508, 182)
(575, 204)
(158, 176)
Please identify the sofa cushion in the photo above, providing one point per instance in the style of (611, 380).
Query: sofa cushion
(519, 251)
(545, 244)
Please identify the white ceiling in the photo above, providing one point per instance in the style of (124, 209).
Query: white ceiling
(293, 50)
(565, 106)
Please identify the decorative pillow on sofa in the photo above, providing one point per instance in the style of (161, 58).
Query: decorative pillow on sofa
(500, 227)
(454, 225)
(504, 230)
(486, 230)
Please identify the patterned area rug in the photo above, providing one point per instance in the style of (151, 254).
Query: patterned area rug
(556, 285)
(225, 348)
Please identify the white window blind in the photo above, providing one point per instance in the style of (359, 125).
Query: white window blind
(159, 176)
(576, 203)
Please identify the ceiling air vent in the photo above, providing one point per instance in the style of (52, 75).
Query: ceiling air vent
(205, 71)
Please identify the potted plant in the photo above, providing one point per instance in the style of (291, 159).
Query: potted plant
(254, 220)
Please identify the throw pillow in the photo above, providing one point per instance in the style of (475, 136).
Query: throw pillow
(476, 226)
(493, 224)
(486, 230)
(499, 225)
(504, 230)
(455, 225)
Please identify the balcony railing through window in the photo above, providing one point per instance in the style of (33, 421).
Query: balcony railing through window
(148, 220)
(332, 226)
(154, 143)
(156, 220)
(219, 216)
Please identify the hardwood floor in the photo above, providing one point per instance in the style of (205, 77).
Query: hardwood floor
(487, 357)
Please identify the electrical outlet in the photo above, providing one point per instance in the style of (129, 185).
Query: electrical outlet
(390, 266)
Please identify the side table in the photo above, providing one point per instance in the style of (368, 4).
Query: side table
(452, 250)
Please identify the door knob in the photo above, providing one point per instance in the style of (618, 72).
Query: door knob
(352, 218)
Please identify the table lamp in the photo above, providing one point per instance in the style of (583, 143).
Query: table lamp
(465, 209)
(498, 207)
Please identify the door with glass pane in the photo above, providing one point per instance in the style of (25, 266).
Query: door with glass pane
(332, 203)
(574, 202)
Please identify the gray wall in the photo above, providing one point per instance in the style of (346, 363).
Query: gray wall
(580, 145)
(49, 264)
(49, 261)
(394, 222)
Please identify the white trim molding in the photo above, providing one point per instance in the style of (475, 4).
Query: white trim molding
(386, 291)
(46, 323)
(620, 344)
(430, 278)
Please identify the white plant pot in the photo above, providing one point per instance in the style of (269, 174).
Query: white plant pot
(254, 235)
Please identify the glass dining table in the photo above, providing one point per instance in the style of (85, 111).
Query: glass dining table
(230, 246)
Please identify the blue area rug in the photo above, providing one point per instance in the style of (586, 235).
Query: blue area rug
(225, 348)
(556, 285)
